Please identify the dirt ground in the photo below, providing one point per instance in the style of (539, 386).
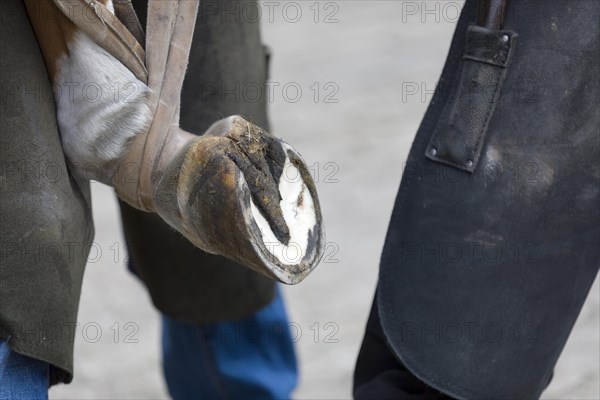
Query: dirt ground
(350, 83)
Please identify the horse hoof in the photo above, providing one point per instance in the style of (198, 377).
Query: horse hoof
(248, 196)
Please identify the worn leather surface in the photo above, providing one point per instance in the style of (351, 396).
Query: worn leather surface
(104, 28)
(460, 132)
(185, 282)
(125, 12)
(46, 228)
(483, 274)
(169, 32)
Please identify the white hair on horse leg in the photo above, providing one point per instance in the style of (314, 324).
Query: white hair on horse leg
(101, 107)
(110, 6)
(298, 210)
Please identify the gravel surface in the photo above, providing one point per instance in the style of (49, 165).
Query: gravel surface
(355, 63)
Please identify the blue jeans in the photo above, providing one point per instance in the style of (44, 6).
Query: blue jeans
(253, 358)
(21, 377)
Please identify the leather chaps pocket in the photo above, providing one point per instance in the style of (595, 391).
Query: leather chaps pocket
(459, 135)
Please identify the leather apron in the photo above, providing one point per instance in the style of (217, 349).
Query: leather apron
(494, 241)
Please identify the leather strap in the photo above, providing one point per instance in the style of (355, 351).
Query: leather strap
(169, 31)
(166, 65)
(491, 14)
(93, 18)
(125, 12)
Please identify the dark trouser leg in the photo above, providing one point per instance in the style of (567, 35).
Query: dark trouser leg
(379, 374)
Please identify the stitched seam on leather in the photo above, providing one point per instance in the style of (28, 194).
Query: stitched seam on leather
(444, 115)
(480, 133)
(485, 60)
(483, 131)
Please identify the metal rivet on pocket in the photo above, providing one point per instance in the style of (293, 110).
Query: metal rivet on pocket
(469, 163)
(505, 39)
(433, 151)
